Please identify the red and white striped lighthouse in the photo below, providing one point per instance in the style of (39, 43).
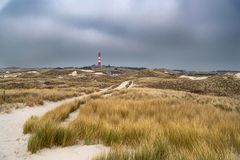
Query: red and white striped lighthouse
(99, 59)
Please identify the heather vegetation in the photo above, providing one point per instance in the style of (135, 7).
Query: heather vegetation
(213, 85)
(49, 85)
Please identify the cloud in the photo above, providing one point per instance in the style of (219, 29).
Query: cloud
(202, 35)
(26, 7)
(3, 3)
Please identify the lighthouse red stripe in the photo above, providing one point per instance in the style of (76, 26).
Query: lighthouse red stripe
(99, 59)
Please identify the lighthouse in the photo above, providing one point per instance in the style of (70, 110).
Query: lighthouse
(99, 59)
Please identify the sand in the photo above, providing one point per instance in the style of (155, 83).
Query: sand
(74, 74)
(132, 85)
(13, 143)
(12, 75)
(123, 85)
(99, 73)
(33, 72)
(193, 77)
(87, 71)
(72, 116)
(237, 75)
(77, 152)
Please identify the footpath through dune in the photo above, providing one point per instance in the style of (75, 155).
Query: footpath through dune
(13, 143)
(126, 84)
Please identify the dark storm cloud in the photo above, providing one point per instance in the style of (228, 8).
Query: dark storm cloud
(25, 7)
(201, 35)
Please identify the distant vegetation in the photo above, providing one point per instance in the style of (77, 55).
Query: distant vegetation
(29, 89)
(217, 85)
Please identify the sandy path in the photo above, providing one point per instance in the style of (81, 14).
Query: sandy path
(132, 85)
(13, 143)
(123, 85)
(72, 116)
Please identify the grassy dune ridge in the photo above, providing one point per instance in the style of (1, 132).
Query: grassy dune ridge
(50, 85)
(36, 96)
(215, 85)
(142, 124)
(57, 115)
(46, 130)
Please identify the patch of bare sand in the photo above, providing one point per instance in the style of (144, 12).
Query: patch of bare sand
(193, 77)
(237, 75)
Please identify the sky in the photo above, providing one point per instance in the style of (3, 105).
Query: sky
(175, 34)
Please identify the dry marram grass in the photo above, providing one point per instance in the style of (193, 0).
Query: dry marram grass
(31, 97)
(141, 124)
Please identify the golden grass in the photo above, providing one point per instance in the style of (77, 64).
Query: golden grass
(31, 97)
(48, 134)
(62, 112)
(47, 130)
(57, 115)
(149, 124)
(34, 96)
